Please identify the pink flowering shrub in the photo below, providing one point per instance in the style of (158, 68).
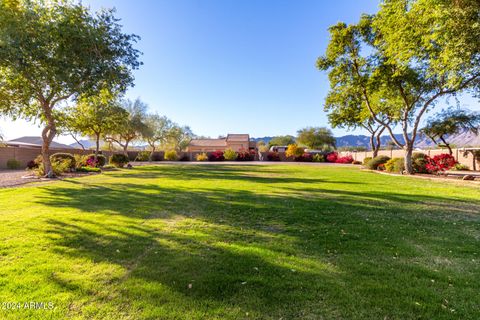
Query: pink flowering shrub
(90, 162)
(332, 157)
(346, 159)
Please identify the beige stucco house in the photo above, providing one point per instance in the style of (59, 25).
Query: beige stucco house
(232, 141)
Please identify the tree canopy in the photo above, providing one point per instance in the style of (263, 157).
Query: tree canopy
(96, 115)
(281, 141)
(158, 131)
(402, 60)
(451, 121)
(179, 137)
(316, 138)
(133, 127)
(54, 51)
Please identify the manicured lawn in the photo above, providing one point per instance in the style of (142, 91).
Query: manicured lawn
(242, 242)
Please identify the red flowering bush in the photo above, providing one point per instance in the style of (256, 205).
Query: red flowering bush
(332, 157)
(245, 155)
(216, 156)
(440, 163)
(273, 156)
(346, 159)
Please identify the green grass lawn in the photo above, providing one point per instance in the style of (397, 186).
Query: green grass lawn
(241, 242)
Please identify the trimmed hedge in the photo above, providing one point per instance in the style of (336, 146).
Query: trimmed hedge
(376, 162)
(230, 155)
(395, 165)
(171, 155)
(61, 157)
(119, 160)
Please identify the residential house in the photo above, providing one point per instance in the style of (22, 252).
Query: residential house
(232, 141)
(34, 142)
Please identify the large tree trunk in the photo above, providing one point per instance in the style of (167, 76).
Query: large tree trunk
(48, 133)
(125, 149)
(373, 146)
(97, 146)
(408, 158)
(150, 158)
(450, 151)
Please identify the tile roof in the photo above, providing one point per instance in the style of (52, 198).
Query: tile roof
(208, 143)
(238, 137)
(36, 142)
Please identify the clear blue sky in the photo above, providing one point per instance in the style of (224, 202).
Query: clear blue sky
(231, 66)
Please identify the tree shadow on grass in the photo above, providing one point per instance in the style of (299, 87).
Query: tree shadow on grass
(318, 251)
(256, 174)
(190, 277)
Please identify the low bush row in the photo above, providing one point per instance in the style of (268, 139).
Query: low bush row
(66, 162)
(421, 162)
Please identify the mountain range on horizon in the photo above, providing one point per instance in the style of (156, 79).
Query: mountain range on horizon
(462, 139)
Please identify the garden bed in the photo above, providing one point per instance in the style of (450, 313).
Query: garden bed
(448, 176)
(15, 178)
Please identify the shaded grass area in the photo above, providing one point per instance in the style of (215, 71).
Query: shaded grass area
(242, 242)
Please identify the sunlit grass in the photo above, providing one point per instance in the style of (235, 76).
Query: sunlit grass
(241, 242)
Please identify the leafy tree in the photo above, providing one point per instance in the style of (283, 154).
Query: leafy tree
(405, 58)
(158, 131)
(96, 115)
(448, 122)
(316, 138)
(55, 51)
(133, 127)
(180, 137)
(281, 141)
(346, 109)
(262, 146)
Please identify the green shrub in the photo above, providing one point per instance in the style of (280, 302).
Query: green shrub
(119, 160)
(59, 166)
(202, 157)
(318, 157)
(366, 160)
(230, 155)
(61, 157)
(88, 169)
(376, 162)
(171, 155)
(143, 156)
(80, 160)
(38, 162)
(461, 167)
(396, 165)
(419, 162)
(13, 164)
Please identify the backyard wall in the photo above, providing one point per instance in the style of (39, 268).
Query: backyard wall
(24, 155)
